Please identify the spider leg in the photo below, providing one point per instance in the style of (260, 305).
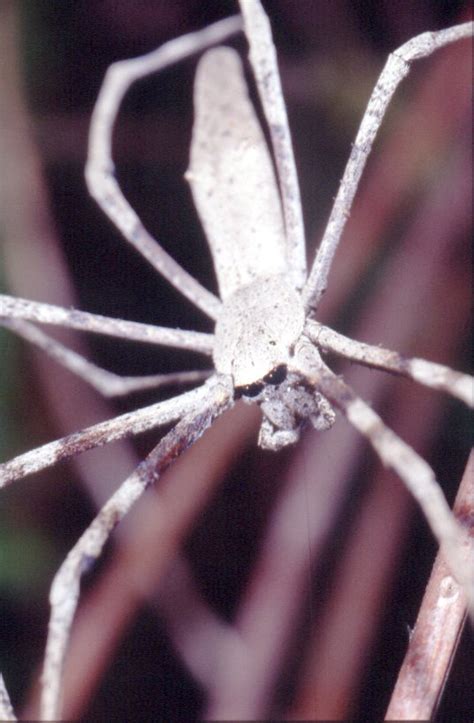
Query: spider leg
(12, 307)
(436, 376)
(100, 177)
(395, 454)
(265, 68)
(125, 425)
(64, 593)
(396, 69)
(105, 382)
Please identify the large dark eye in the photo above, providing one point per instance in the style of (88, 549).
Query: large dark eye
(276, 376)
(249, 390)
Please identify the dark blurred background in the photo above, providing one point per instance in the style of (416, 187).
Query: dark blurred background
(54, 55)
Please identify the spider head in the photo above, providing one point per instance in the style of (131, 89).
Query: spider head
(274, 377)
(288, 403)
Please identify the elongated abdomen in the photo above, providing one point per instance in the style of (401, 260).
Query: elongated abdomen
(232, 178)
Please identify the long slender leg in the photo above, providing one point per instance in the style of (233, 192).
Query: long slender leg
(105, 382)
(265, 67)
(436, 376)
(100, 167)
(125, 425)
(396, 68)
(415, 473)
(12, 307)
(65, 589)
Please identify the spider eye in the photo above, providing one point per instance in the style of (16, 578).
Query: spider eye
(276, 376)
(249, 390)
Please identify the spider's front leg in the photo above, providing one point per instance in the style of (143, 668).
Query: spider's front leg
(395, 454)
(123, 426)
(64, 595)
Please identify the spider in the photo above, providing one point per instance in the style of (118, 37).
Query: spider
(267, 343)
